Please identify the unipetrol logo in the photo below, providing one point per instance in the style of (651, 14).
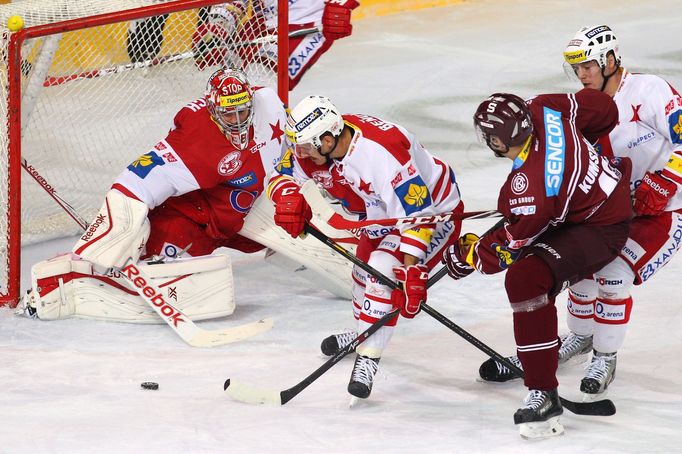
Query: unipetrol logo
(312, 116)
(555, 150)
(595, 31)
(675, 122)
(575, 56)
(145, 163)
(416, 195)
(234, 100)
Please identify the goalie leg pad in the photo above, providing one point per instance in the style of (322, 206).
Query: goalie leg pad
(66, 286)
(118, 232)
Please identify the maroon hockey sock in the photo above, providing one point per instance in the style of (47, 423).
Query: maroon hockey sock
(537, 346)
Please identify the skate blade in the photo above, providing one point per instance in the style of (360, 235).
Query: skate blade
(594, 397)
(353, 401)
(542, 429)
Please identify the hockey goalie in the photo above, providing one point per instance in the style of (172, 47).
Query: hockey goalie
(197, 190)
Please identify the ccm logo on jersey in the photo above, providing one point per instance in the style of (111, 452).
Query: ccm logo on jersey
(157, 299)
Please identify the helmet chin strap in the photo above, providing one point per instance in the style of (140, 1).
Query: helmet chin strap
(606, 78)
(327, 157)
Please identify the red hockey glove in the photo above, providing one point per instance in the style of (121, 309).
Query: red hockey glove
(414, 279)
(292, 212)
(336, 18)
(454, 256)
(652, 195)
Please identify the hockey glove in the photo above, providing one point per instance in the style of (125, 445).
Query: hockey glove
(652, 195)
(414, 279)
(454, 256)
(336, 18)
(292, 212)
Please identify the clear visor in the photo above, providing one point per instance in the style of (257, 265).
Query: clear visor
(305, 150)
(481, 136)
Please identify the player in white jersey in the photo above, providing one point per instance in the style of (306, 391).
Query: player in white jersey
(649, 132)
(252, 19)
(388, 170)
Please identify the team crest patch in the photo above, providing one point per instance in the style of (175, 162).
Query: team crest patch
(323, 177)
(230, 164)
(413, 195)
(145, 163)
(519, 183)
(675, 121)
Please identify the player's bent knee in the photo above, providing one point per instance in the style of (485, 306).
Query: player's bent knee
(67, 286)
(528, 283)
(615, 280)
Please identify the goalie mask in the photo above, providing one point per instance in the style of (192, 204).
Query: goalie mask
(503, 121)
(311, 119)
(229, 100)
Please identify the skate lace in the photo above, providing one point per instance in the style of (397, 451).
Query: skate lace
(599, 368)
(572, 344)
(534, 400)
(504, 370)
(364, 370)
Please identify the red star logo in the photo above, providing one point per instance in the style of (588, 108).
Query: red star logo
(365, 187)
(277, 132)
(635, 112)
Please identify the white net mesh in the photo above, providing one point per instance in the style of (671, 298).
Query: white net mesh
(95, 99)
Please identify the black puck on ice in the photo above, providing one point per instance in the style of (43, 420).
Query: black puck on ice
(149, 385)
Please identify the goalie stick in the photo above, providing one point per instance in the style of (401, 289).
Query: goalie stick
(179, 322)
(596, 408)
(323, 212)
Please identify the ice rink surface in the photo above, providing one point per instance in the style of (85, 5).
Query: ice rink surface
(73, 386)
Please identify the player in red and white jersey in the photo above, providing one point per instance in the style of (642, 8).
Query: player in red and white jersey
(202, 179)
(567, 213)
(377, 169)
(253, 19)
(649, 132)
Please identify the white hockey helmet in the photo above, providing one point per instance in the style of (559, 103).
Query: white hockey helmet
(592, 43)
(311, 118)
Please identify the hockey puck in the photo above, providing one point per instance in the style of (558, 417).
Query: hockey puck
(149, 385)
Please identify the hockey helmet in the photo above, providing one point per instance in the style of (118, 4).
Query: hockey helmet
(592, 43)
(229, 100)
(506, 117)
(311, 119)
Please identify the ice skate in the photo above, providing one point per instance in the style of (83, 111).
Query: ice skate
(600, 374)
(539, 416)
(574, 346)
(494, 371)
(336, 342)
(362, 377)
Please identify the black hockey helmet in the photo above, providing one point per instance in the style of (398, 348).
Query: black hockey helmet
(504, 116)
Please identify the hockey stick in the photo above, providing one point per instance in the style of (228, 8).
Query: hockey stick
(597, 408)
(323, 212)
(179, 322)
(59, 80)
(246, 393)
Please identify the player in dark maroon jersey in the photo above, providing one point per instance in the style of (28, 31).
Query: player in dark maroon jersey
(567, 212)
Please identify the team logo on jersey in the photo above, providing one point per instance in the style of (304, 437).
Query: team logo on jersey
(519, 183)
(323, 177)
(675, 121)
(555, 144)
(145, 163)
(285, 165)
(230, 164)
(413, 195)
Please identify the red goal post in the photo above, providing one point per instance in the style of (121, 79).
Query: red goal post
(83, 95)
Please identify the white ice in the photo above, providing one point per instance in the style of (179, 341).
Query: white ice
(74, 386)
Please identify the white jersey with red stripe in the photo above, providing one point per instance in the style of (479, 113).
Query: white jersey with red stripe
(649, 130)
(396, 177)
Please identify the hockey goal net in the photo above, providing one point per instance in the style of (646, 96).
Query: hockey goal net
(89, 85)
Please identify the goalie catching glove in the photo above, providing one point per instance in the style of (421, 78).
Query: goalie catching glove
(414, 279)
(455, 256)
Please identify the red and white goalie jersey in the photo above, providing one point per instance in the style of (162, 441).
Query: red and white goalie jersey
(649, 130)
(199, 173)
(559, 178)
